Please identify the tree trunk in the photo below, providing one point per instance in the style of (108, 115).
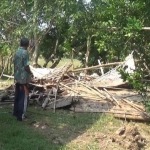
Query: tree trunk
(87, 52)
(72, 56)
(47, 60)
(36, 41)
(11, 62)
(2, 62)
(56, 62)
(7, 64)
(53, 55)
(36, 50)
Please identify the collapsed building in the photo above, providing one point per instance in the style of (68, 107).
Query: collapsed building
(106, 93)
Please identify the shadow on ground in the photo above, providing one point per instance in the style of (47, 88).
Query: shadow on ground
(62, 130)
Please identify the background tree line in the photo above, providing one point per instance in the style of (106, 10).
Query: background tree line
(102, 29)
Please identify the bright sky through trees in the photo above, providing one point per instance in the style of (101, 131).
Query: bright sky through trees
(88, 1)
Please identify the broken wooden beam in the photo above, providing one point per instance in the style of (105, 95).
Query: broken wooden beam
(97, 66)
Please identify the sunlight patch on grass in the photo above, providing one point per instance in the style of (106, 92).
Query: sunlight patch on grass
(104, 124)
(63, 61)
(64, 130)
(4, 83)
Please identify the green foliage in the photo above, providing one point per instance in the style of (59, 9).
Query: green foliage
(114, 27)
(147, 106)
(136, 80)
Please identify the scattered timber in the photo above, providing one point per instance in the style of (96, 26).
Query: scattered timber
(60, 87)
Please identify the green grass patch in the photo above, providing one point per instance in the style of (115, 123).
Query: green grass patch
(5, 82)
(17, 135)
(62, 129)
(63, 61)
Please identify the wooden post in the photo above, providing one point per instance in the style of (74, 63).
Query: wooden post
(102, 72)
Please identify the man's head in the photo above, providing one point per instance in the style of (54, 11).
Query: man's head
(24, 42)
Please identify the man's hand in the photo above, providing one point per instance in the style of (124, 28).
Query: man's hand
(32, 76)
(27, 69)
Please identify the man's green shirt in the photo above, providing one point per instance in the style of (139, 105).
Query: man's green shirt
(21, 60)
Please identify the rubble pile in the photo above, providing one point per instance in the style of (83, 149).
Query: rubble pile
(60, 87)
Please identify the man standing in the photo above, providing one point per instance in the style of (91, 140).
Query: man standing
(22, 76)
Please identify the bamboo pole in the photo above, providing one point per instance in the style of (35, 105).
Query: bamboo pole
(134, 106)
(101, 96)
(69, 88)
(112, 97)
(5, 75)
(132, 116)
(105, 94)
(97, 66)
(123, 115)
(107, 111)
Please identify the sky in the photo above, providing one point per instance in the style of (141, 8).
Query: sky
(88, 1)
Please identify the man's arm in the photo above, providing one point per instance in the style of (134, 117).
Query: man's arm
(26, 63)
(27, 69)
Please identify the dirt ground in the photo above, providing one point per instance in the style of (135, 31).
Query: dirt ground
(125, 138)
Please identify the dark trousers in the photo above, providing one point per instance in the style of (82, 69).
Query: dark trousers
(21, 101)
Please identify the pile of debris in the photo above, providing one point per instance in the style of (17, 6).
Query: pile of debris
(60, 87)
(129, 138)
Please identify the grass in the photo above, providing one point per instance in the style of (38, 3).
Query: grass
(5, 82)
(19, 136)
(61, 132)
(63, 61)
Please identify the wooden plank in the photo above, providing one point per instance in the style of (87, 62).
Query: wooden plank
(61, 102)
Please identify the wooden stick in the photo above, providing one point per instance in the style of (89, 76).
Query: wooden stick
(5, 75)
(133, 117)
(69, 88)
(97, 67)
(107, 111)
(45, 103)
(55, 97)
(101, 96)
(93, 97)
(102, 71)
(105, 95)
(37, 85)
(118, 115)
(132, 105)
(113, 88)
(112, 97)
